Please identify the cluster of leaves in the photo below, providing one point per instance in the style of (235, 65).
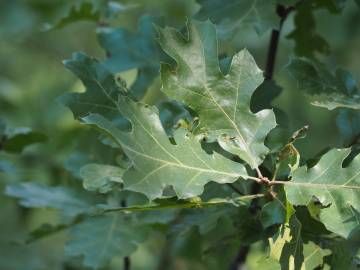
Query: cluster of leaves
(199, 163)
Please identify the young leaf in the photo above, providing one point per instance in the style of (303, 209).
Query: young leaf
(328, 90)
(230, 15)
(221, 101)
(33, 195)
(100, 239)
(337, 189)
(156, 162)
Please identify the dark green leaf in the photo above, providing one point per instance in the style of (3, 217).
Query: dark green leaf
(126, 50)
(307, 40)
(22, 138)
(264, 95)
(343, 255)
(327, 90)
(205, 219)
(273, 213)
(14, 140)
(101, 88)
(348, 123)
(311, 225)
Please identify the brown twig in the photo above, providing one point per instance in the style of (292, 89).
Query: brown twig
(283, 13)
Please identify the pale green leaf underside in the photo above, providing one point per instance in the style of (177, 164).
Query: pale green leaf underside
(157, 163)
(335, 187)
(221, 101)
(100, 177)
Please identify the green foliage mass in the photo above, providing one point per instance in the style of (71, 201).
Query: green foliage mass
(228, 140)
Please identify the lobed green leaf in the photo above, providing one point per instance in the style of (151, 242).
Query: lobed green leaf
(221, 101)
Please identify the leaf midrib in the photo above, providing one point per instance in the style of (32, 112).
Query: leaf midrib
(248, 151)
(181, 165)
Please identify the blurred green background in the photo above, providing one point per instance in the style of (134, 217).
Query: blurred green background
(32, 76)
